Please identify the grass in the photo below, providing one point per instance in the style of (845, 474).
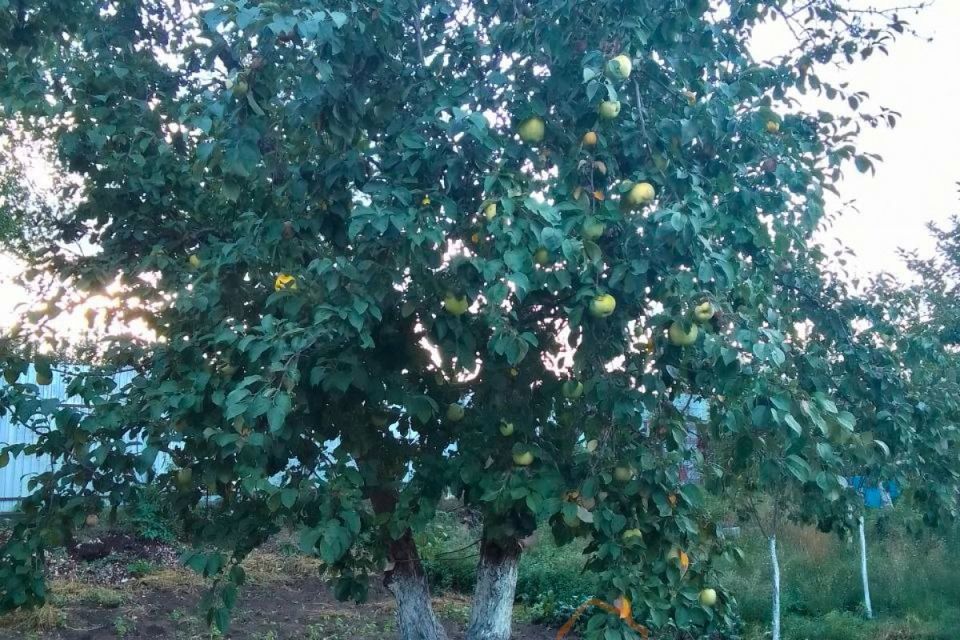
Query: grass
(914, 580)
(68, 592)
(914, 585)
(45, 618)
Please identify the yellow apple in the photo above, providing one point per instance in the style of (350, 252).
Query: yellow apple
(708, 597)
(691, 97)
(609, 109)
(456, 306)
(773, 126)
(640, 194)
(682, 338)
(593, 229)
(541, 256)
(490, 211)
(602, 305)
(620, 67)
(589, 139)
(531, 130)
(524, 459)
(572, 389)
(194, 261)
(592, 445)
(285, 281)
(506, 429)
(703, 311)
(455, 412)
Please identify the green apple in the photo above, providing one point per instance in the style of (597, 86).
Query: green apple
(541, 256)
(602, 306)
(630, 534)
(523, 459)
(506, 429)
(620, 67)
(609, 109)
(11, 375)
(703, 312)
(194, 261)
(531, 130)
(455, 412)
(682, 338)
(572, 389)
(641, 194)
(379, 418)
(184, 477)
(593, 228)
(592, 445)
(456, 306)
(44, 379)
(623, 473)
(708, 597)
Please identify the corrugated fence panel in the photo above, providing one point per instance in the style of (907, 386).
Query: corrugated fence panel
(16, 475)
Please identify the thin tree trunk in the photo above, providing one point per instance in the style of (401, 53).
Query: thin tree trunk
(867, 604)
(492, 611)
(775, 563)
(408, 584)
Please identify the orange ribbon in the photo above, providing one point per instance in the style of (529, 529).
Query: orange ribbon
(621, 608)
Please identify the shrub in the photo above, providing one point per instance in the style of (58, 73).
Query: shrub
(449, 551)
(151, 515)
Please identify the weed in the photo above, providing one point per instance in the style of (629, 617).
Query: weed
(121, 626)
(141, 568)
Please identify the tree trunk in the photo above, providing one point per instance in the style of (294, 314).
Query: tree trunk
(408, 584)
(775, 563)
(407, 581)
(492, 611)
(867, 604)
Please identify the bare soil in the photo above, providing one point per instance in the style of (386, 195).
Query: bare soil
(137, 592)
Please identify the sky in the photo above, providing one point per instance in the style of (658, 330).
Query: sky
(917, 181)
(915, 184)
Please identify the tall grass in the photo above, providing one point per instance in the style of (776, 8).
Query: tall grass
(914, 584)
(914, 580)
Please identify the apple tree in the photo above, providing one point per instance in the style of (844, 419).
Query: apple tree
(382, 251)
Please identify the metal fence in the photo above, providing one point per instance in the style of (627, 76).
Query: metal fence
(15, 476)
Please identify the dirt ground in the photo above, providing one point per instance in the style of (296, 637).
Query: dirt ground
(122, 596)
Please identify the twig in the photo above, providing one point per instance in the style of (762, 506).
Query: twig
(464, 548)
(417, 26)
(643, 123)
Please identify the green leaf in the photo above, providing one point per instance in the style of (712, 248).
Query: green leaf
(798, 467)
(793, 424)
(288, 497)
(277, 414)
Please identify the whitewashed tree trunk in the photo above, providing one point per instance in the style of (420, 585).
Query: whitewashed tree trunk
(492, 612)
(406, 580)
(775, 563)
(408, 584)
(867, 604)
